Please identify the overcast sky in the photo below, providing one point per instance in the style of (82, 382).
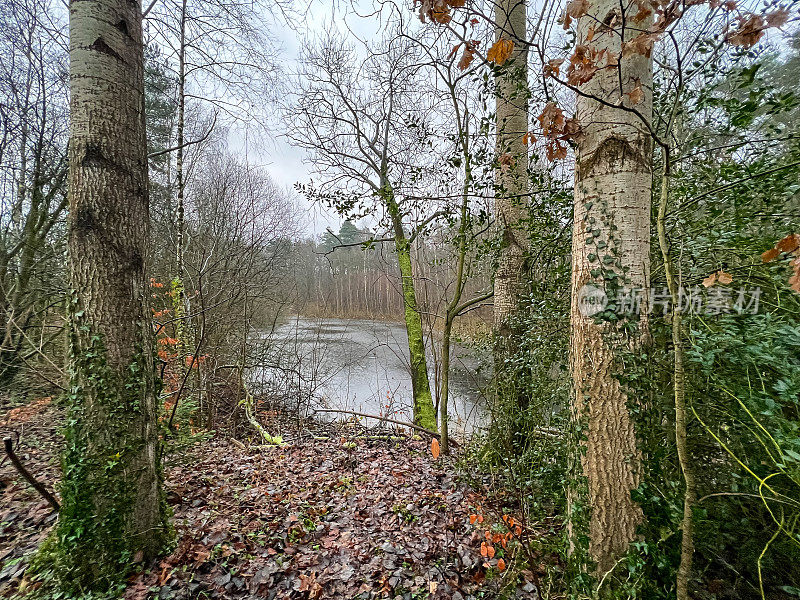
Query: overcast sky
(288, 165)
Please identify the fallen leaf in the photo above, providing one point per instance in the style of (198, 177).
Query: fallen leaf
(710, 280)
(501, 565)
(724, 278)
(435, 448)
(770, 255)
(789, 244)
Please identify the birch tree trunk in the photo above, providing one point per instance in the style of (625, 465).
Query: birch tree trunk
(511, 182)
(610, 249)
(112, 508)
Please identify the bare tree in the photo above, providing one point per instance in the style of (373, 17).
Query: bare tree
(33, 106)
(351, 113)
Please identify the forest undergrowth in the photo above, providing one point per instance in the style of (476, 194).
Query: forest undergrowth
(335, 511)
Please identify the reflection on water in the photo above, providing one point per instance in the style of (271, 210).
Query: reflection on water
(363, 366)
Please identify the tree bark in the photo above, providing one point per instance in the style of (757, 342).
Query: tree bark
(424, 412)
(610, 249)
(684, 572)
(112, 502)
(511, 182)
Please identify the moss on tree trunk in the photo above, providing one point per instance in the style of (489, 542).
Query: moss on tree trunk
(424, 411)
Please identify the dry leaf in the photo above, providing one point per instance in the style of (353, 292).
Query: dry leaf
(552, 120)
(435, 448)
(636, 94)
(789, 243)
(501, 565)
(642, 44)
(528, 139)
(583, 64)
(468, 55)
(553, 67)
(770, 255)
(500, 51)
(724, 278)
(710, 280)
(750, 31)
(778, 18)
(575, 10)
(555, 150)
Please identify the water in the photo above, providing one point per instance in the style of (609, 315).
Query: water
(363, 366)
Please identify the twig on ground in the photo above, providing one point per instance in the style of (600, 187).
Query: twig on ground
(387, 420)
(28, 477)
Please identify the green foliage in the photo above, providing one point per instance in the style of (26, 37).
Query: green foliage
(93, 547)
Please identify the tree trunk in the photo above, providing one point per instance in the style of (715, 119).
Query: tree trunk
(424, 412)
(684, 572)
(112, 502)
(511, 183)
(610, 249)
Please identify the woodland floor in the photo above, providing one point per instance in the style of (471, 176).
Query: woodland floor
(335, 512)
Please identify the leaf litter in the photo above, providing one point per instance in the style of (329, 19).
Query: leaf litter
(337, 513)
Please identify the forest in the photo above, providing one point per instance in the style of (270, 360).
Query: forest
(406, 299)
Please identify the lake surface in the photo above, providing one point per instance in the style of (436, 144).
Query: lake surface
(363, 366)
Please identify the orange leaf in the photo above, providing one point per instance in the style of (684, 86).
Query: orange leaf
(435, 448)
(710, 280)
(501, 565)
(770, 254)
(517, 531)
(500, 51)
(789, 243)
(472, 519)
(490, 551)
(484, 550)
(724, 278)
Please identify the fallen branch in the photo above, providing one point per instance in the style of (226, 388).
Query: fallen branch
(28, 477)
(387, 420)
